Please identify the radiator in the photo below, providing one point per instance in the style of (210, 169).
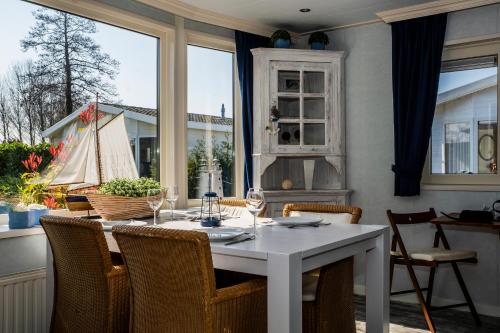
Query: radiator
(23, 302)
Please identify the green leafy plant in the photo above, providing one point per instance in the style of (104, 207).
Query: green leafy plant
(280, 34)
(129, 187)
(319, 37)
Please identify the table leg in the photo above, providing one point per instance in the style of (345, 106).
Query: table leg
(377, 286)
(284, 293)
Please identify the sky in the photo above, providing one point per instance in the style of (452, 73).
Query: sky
(452, 80)
(209, 71)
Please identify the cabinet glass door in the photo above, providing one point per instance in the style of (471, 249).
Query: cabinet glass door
(299, 91)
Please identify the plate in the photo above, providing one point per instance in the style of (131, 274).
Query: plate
(108, 225)
(196, 212)
(297, 220)
(221, 234)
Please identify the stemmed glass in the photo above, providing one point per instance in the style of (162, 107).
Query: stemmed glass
(172, 196)
(255, 203)
(155, 200)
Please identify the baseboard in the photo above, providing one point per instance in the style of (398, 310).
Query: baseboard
(484, 309)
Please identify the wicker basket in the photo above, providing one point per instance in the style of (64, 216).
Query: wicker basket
(112, 207)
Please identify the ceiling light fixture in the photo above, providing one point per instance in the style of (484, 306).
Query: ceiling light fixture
(305, 10)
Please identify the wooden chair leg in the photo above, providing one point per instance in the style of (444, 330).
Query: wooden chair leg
(420, 296)
(470, 303)
(430, 286)
(391, 273)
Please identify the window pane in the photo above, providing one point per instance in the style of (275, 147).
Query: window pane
(53, 108)
(464, 131)
(288, 81)
(314, 134)
(314, 82)
(289, 134)
(210, 120)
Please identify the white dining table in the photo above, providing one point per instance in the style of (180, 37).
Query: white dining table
(282, 254)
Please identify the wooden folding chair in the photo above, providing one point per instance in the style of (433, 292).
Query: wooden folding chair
(432, 258)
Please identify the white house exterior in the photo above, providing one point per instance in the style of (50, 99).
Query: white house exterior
(463, 116)
(141, 129)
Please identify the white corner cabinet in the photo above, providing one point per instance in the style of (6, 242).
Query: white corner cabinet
(299, 130)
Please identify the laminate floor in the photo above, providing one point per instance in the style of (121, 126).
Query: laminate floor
(407, 318)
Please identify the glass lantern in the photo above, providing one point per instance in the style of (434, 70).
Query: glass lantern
(210, 215)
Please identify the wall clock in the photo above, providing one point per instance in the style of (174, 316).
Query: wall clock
(487, 147)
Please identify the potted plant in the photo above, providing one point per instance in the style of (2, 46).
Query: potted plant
(19, 217)
(318, 40)
(281, 39)
(123, 198)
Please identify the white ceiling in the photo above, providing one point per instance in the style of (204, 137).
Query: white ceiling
(285, 13)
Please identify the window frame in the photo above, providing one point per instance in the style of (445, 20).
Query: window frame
(201, 39)
(466, 182)
(172, 85)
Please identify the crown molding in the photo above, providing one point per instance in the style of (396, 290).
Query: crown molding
(206, 16)
(431, 8)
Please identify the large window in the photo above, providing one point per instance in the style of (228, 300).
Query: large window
(463, 149)
(58, 73)
(210, 123)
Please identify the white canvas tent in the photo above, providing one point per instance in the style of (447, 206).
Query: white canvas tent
(87, 160)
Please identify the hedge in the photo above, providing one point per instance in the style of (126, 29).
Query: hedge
(12, 153)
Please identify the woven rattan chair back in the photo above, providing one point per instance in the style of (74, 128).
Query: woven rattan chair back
(321, 209)
(237, 207)
(171, 277)
(81, 261)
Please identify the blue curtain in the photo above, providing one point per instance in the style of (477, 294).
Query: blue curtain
(417, 46)
(244, 43)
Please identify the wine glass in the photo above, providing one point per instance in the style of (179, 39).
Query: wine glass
(255, 203)
(172, 196)
(155, 200)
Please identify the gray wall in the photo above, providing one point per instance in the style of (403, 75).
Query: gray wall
(369, 121)
(22, 254)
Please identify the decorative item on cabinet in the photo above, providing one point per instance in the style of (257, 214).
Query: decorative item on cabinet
(281, 39)
(287, 184)
(273, 128)
(318, 40)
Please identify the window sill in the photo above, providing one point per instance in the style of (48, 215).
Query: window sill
(459, 187)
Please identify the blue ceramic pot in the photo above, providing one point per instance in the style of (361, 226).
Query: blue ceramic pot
(4, 208)
(317, 46)
(282, 44)
(20, 220)
(35, 215)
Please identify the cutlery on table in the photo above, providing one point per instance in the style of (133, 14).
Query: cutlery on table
(252, 237)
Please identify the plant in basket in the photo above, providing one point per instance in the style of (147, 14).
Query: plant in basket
(123, 198)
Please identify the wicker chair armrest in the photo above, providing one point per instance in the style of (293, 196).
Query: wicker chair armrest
(239, 290)
(119, 298)
(241, 308)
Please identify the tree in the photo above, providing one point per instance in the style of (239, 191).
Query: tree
(4, 112)
(68, 55)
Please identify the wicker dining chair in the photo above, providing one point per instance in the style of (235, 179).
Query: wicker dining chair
(237, 207)
(173, 285)
(90, 294)
(327, 293)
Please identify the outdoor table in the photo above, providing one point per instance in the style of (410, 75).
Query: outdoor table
(283, 254)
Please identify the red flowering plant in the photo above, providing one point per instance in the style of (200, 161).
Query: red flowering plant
(87, 115)
(32, 162)
(51, 203)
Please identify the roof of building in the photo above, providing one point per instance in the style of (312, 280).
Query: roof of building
(466, 89)
(194, 117)
(147, 115)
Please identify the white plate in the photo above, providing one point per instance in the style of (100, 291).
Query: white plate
(221, 234)
(196, 212)
(297, 220)
(108, 225)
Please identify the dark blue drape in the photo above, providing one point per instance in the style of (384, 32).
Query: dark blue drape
(417, 46)
(244, 43)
